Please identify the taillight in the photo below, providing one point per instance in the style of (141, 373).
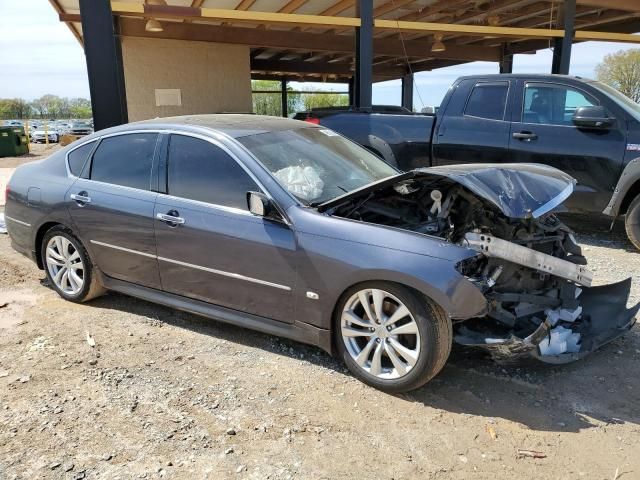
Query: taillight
(315, 121)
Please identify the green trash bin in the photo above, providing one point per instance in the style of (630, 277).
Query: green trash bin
(13, 142)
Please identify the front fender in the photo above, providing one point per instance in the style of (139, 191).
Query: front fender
(630, 176)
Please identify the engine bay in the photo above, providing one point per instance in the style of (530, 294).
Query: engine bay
(530, 268)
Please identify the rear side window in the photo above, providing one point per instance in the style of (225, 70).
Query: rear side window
(78, 157)
(125, 160)
(199, 170)
(488, 100)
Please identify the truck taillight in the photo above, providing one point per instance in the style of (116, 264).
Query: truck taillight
(315, 121)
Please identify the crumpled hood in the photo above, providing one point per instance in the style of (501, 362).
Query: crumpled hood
(518, 190)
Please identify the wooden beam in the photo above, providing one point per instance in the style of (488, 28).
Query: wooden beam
(479, 30)
(227, 15)
(245, 4)
(59, 10)
(292, 6)
(607, 36)
(280, 39)
(628, 5)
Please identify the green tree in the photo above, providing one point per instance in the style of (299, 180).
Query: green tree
(310, 99)
(271, 103)
(80, 108)
(14, 108)
(621, 70)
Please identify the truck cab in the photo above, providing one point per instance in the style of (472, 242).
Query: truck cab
(532, 119)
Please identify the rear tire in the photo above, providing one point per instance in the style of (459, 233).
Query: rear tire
(390, 336)
(632, 222)
(68, 267)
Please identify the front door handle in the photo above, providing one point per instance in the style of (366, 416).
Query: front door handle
(526, 136)
(171, 218)
(82, 198)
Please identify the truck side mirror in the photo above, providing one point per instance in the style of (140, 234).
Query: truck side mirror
(592, 117)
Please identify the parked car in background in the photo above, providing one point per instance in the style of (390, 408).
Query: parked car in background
(582, 127)
(39, 135)
(80, 128)
(294, 230)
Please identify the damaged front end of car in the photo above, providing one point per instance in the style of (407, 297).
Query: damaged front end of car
(528, 265)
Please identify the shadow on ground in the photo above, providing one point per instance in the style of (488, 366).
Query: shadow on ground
(604, 387)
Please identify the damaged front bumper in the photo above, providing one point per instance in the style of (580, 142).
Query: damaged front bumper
(603, 318)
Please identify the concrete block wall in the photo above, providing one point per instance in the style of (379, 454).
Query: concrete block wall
(211, 77)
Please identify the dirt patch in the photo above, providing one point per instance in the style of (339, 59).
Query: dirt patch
(165, 394)
(37, 151)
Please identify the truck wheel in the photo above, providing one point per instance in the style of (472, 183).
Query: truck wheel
(390, 336)
(632, 222)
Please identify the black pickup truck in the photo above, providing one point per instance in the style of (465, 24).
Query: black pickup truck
(583, 127)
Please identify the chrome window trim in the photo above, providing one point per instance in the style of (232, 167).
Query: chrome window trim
(237, 276)
(207, 138)
(15, 220)
(215, 206)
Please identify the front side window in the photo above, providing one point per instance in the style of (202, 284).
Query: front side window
(78, 157)
(199, 170)
(125, 160)
(488, 100)
(552, 104)
(316, 164)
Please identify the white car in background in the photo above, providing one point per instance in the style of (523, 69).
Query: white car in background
(40, 135)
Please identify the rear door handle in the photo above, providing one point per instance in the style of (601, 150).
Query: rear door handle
(526, 136)
(170, 218)
(81, 197)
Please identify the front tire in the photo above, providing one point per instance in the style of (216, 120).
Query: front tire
(68, 266)
(390, 336)
(632, 222)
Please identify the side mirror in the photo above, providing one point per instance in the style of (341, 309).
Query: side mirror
(258, 204)
(592, 117)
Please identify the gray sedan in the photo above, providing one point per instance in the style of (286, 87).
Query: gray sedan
(289, 228)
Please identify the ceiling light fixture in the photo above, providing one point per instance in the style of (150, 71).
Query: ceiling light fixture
(153, 25)
(438, 46)
(493, 20)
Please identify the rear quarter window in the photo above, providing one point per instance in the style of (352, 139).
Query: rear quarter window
(488, 100)
(78, 157)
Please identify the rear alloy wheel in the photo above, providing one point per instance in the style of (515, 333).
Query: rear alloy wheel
(391, 337)
(68, 267)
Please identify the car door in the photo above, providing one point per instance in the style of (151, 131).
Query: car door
(474, 128)
(111, 204)
(209, 246)
(543, 132)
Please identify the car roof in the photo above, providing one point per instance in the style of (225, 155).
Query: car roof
(232, 124)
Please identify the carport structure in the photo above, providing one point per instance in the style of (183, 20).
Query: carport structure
(165, 57)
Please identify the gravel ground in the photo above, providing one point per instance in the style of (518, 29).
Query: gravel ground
(165, 394)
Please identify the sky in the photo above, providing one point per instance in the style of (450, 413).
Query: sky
(39, 55)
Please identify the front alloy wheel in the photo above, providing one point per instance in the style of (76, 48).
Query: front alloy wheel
(390, 336)
(380, 333)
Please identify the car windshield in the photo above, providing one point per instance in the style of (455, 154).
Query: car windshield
(316, 164)
(625, 102)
